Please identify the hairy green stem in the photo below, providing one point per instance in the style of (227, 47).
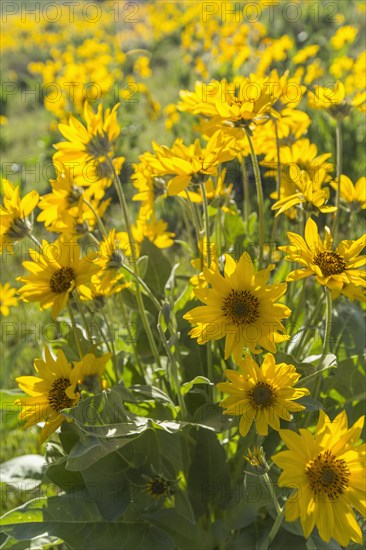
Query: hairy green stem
(139, 298)
(258, 183)
(339, 153)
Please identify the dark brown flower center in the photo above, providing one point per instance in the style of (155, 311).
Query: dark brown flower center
(57, 397)
(330, 263)
(241, 307)
(328, 475)
(61, 280)
(262, 395)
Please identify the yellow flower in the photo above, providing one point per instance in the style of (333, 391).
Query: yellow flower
(95, 141)
(304, 54)
(54, 273)
(91, 369)
(199, 281)
(7, 299)
(236, 103)
(337, 269)
(308, 195)
(14, 212)
(325, 97)
(65, 210)
(112, 253)
(353, 195)
(191, 164)
(262, 394)
(100, 288)
(154, 230)
(241, 306)
(326, 470)
(343, 35)
(52, 391)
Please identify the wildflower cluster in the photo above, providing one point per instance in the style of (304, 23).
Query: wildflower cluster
(201, 261)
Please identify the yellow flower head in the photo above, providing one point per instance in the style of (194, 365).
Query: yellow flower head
(91, 369)
(113, 251)
(344, 35)
(309, 195)
(236, 103)
(354, 195)
(7, 299)
(54, 389)
(14, 212)
(240, 306)
(262, 394)
(193, 163)
(326, 471)
(95, 141)
(337, 269)
(55, 272)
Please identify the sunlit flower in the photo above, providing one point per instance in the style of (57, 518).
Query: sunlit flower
(326, 470)
(191, 164)
(54, 389)
(95, 141)
(261, 394)
(91, 370)
(337, 269)
(14, 212)
(237, 103)
(7, 299)
(354, 195)
(54, 273)
(240, 306)
(309, 195)
(344, 35)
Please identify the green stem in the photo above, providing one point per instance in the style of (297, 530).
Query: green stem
(246, 196)
(35, 241)
(207, 224)
(130, 335)
(80, 309)
(102, 229)
(258, 183)
(139, 298)
(278, 190)
(210, 374)
(73, 323)
(279, 511)
(339, 153)
(194, 219)
(174, 371)
(328, 326)
(111, 346)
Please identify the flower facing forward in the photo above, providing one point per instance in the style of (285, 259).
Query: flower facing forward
(326, 469)
(241, 306)
(262, 394)
(337, 269)
(54, 273)
(54, 389)
(14, 212)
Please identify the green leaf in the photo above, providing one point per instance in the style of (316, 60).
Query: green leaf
(184, 534)
(142, 264)
(158, 269)
(187, 386)
(76, 520)
(208, 478)
(23, 472)
(183, 506)
(9, 413)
